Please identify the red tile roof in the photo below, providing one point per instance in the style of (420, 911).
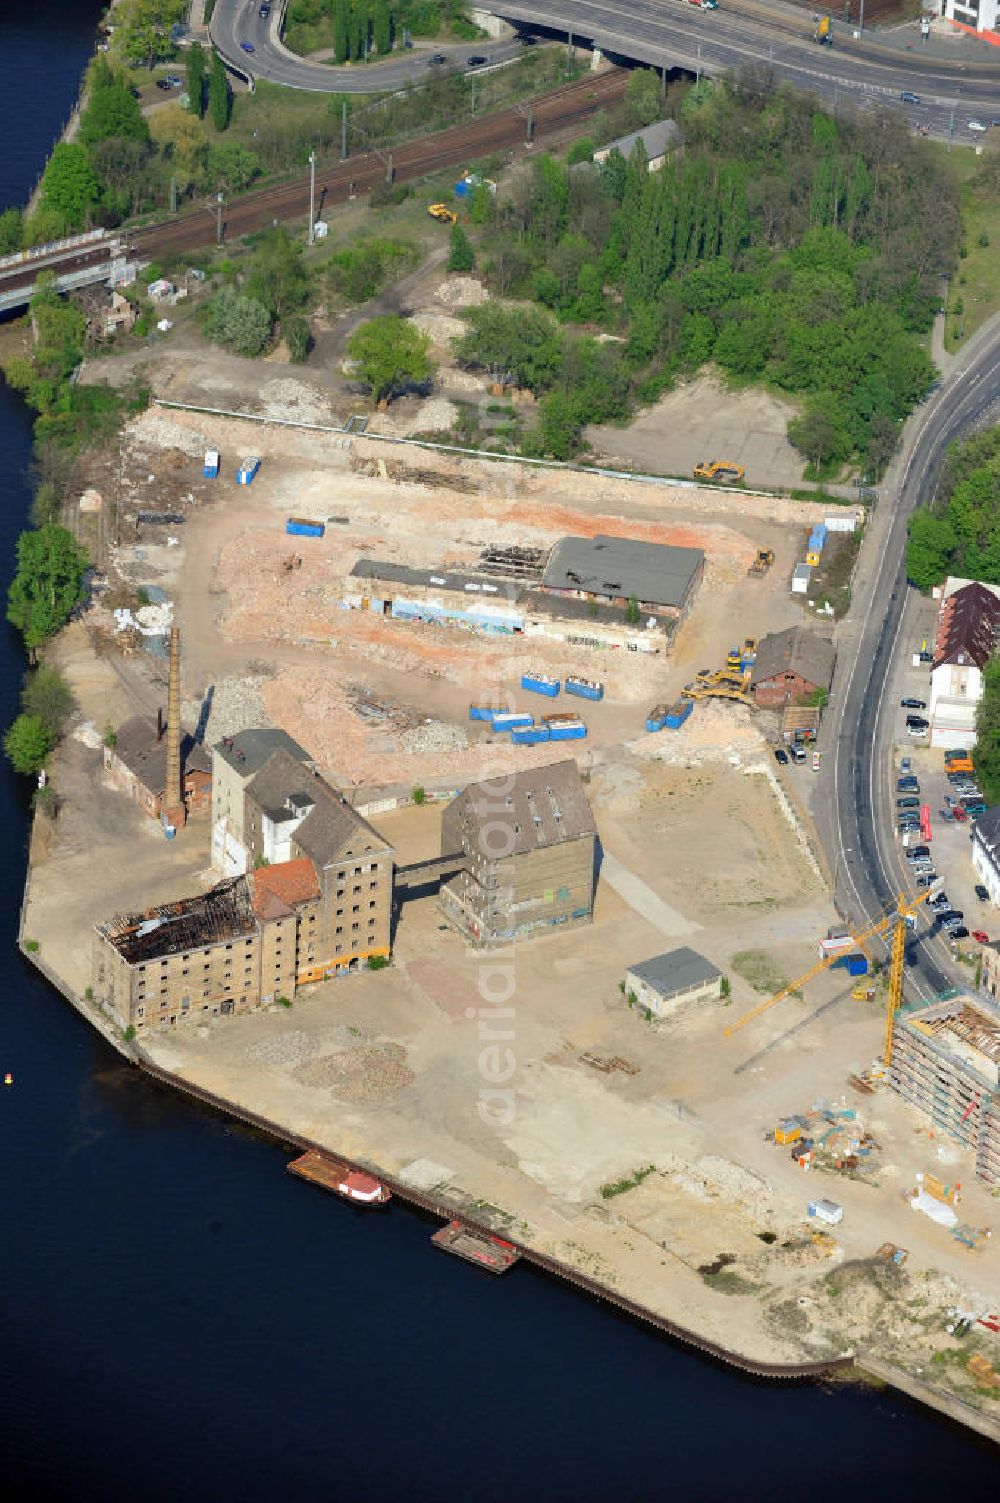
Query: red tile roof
(968, 627)
(279, 889)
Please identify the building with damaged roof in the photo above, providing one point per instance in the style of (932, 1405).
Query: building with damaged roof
(529, 842)
(137, 763)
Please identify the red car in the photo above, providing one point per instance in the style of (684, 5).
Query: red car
(960, 814)
(981, 936)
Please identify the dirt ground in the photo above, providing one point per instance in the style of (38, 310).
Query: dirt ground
(703, 419)
(384, 702)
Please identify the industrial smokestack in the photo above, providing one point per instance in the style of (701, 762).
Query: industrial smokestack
(173, 800)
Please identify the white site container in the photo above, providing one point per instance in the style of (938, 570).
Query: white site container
(826, 1210)
(801, 575)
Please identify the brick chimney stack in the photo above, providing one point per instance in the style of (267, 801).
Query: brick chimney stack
(173, 799)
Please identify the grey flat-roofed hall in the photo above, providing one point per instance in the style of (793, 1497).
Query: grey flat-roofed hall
(620, 568)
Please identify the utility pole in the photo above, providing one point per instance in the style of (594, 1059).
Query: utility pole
(343, 132)
(219, 201)
(389, 171)
(173, 194)
(861, 18)
(569, 52)
(951, 124)
(697, 81)
(312, 198)
(663, 81)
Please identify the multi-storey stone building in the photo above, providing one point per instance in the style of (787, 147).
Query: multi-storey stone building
(529, 840)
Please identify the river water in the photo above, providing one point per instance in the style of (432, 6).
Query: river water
(179, 1318)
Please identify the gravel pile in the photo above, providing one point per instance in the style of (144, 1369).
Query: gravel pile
(153, 430)
(439, 328)
(371, 1072)
(237, 704)
(436, 415)
(294, 400)
(435, 736)
(283, 1049)
(462, 292)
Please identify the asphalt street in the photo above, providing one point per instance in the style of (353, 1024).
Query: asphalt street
(235, 22)
(854, 802)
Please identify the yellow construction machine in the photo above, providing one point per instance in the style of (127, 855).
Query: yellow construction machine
(442, 213)
(899, 919)
(718, 469)
(762, 562)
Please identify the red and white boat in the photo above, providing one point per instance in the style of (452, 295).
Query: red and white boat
(330, 1174)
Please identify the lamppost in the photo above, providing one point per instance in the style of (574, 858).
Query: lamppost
(312, 197)
(219, 201)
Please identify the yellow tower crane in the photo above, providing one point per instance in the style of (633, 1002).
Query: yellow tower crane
(896, 920)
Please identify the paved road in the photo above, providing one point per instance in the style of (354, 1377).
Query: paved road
(237, 21)
(672, 33)
(854, 805)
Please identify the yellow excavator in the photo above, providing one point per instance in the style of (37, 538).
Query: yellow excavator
(442, 213)
(718, 469)
(899, 919)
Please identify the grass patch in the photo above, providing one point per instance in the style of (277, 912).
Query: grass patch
(619, 1186)
(974, 292)
(757, 967)
(729, 1283)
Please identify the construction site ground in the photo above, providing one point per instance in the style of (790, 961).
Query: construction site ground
(703, 843)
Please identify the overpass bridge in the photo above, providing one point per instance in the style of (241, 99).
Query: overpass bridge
(79, 261)
(421, 873)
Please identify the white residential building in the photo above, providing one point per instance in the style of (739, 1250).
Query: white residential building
(986, 851)
(968, 631)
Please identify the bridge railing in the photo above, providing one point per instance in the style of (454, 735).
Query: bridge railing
(50, 248)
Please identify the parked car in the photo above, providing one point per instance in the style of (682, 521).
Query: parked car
(908, 784)
(959, 932)
(927, 879)
(977, 127)
(947, 816)
(939, 900)
(913, 704)
(960, 815)
(174, 81)
(916, 851)
(265, 10)
(916, 731)
(438, 59)
(908, 97)
(980, 936)
(475, 61)
(975, 809)
(982, 893)
(781, 756)
(917, 720)
(909, 802)
(951, 915)
(161, 83)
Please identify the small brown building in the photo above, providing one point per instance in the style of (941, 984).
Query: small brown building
(791, 665)
(529, 840)
(137, 763)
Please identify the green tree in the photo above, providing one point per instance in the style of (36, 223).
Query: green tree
(69, 188)
(930, 544)
(48, 584)
(559, 426)
(11, 231)
(110, 109)
(196, 79)
(231, 166)
(48, 697)
(142, 29)
(298, 339)
(278, 279)
(27, 744)
(239, 322)
(643, 102)
(819, 434)
(986, 755)
(341, 30)
(518, 346)
(392, 354)
(219, 96)
(461, 256)
(382, 27)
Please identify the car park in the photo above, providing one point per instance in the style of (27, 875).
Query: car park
(781, 756)
(913, 704)
(980, 936)
(982, 893)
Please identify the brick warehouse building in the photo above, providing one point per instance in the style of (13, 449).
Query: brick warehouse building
(530, 845)
(137, 764)
(790, 666)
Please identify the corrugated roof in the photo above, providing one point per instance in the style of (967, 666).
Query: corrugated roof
(795, 650)
(656, 139)
(968, 626)
(541, 806)
(655, 573)
(145, 756)
(675, 971)
(248, 750)
(332, 829)
(280, 888)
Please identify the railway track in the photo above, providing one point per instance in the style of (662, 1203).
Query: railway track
(339, 181)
